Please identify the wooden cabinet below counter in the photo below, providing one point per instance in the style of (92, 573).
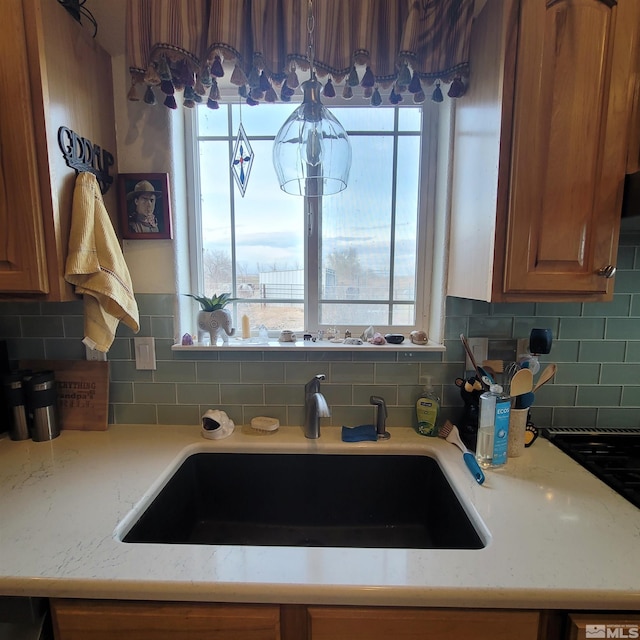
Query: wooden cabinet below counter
(124, 620)
(366, 623)
(105, 620)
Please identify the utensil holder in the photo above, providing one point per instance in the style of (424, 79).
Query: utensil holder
(517, 429)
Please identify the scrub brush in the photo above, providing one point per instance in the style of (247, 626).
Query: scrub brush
(450, 433)
(263, 426)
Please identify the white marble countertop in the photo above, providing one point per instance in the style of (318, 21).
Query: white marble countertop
(556, 536)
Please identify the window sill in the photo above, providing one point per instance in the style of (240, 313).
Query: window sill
(236, 344)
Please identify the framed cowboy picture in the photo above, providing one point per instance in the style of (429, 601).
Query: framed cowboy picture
(145, 207)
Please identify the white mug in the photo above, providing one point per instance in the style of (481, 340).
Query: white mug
(287, 336)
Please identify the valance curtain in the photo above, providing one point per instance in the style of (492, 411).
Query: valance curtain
(389, 46)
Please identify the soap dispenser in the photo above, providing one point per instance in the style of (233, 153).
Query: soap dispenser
(427, 407)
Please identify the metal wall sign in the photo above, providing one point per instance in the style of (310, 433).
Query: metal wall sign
(82, 155)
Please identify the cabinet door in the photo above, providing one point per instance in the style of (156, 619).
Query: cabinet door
(106, 620)
(570, 132)
(369, 623)
(22, 246)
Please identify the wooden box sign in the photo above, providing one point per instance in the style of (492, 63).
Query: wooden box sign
(83, 392)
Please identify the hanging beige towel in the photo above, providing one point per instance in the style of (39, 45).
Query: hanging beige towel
(96, 266)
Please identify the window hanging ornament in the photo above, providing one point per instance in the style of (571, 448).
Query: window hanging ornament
(312, 152)
(242, 160)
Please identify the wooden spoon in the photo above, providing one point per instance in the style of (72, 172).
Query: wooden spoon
(522, 382)
(546, 375)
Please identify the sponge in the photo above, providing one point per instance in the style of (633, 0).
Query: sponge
(359, 434)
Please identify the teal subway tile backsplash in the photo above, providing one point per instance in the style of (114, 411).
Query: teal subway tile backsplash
(135, 414)
(596, 347)
(576, 417)
(263, 372)
(623, 328)
(175, 372)
(599, 396)
(582, 328)
(178, 414)
(618, 307)
(154, 392)
(201, 394)
(42, 327)
(582, 373)
(403, 373)
(602, 351)
(625, 373)
(623, 418)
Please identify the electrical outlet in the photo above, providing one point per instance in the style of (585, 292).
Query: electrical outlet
(145, 349)
(95, 355)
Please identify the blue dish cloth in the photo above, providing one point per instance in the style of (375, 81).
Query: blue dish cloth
(359, 434)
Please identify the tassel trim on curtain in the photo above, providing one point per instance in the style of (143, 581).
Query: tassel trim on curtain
(395, 47)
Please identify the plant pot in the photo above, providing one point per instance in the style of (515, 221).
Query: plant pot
(216, 323)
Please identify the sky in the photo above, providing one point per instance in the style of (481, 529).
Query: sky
(270, 223)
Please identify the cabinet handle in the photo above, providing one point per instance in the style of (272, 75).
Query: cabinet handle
(607, 272)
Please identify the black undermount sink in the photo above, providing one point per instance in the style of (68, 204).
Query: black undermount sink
(310, 500)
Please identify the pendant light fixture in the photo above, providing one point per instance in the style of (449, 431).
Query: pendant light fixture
(312, 152)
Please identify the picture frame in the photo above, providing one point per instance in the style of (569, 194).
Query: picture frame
(145, 206)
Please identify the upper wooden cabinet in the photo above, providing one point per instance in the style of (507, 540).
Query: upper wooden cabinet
(541, 145)
(52, 75)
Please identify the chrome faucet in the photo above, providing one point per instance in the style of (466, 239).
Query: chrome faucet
(315, 407)
(381, 418)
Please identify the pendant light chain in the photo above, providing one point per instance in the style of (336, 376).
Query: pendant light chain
(311, 24)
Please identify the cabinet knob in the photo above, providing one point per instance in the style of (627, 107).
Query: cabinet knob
(607, 272)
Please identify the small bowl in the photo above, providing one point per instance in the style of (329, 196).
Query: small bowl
(394, 338)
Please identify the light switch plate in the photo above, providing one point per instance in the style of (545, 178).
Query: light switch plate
(145, 349)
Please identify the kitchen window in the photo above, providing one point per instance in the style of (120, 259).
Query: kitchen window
(346, 261)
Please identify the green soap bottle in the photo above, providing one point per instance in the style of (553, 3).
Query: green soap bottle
(427, 406)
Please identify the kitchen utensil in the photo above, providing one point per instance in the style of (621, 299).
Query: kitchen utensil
(548, 372)
(480, 372)
(525, 400)
(494, 366)
(522, 382)
(450, 433)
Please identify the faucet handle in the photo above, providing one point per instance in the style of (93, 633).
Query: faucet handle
(313, 386)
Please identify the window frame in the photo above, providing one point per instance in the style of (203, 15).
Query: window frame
(429, 308)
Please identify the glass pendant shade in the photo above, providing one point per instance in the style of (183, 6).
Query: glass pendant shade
(312, 152)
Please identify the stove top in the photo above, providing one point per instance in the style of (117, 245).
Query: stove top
(613, 456)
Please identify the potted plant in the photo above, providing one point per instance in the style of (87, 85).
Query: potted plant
(213, 318)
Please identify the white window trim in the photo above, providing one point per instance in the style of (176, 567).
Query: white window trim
(434, 204)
